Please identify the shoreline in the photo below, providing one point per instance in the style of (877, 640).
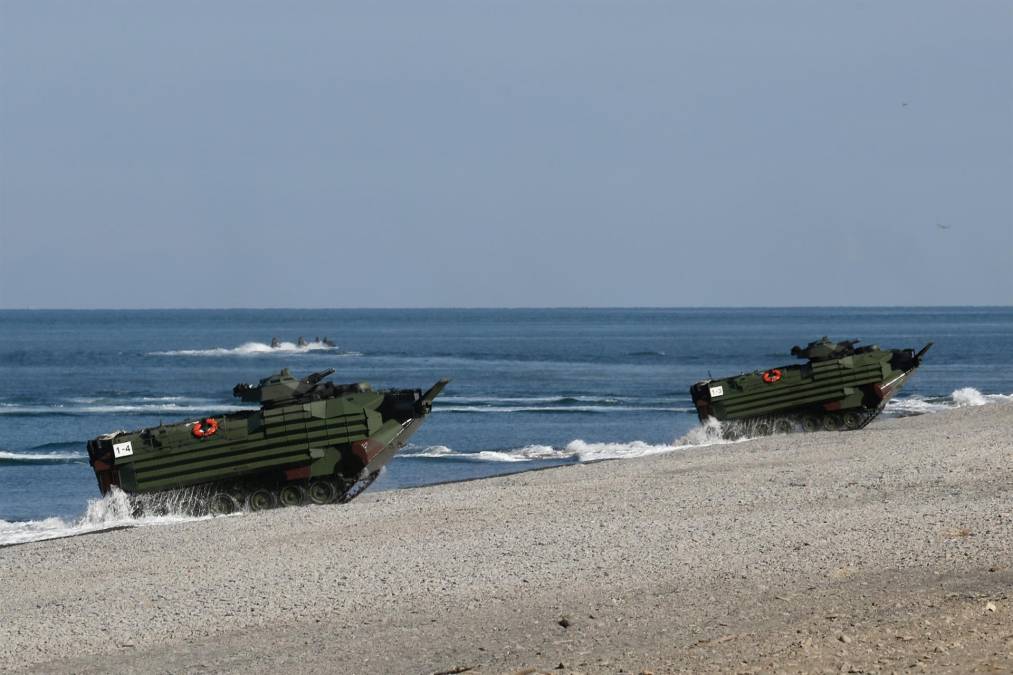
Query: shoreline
(684, 561)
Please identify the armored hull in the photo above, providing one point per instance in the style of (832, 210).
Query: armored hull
(840, 387)
(310, 442)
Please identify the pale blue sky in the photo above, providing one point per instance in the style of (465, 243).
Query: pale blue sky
(395, 154)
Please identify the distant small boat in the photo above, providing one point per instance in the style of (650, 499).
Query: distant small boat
(302, 343)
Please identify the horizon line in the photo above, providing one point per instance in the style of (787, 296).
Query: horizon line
(488, 308)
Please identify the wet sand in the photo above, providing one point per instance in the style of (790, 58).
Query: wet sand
(887, 549)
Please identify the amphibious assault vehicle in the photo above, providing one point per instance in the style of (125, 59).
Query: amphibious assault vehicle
(310, 442)
(839, 387)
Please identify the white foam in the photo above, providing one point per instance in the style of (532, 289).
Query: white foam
(526, 454)
(706, 433)
(592, 452)
(40, 457)
(579, 450)
(258, 349)
(148, 399)
(702, 435)
(134, 408)
(913, 405)
(111, 511)
(968, 396)
(961, 398)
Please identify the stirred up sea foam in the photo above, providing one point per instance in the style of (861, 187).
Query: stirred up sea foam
(965, 397)
(26, 458)
(113, 511)
(259, 348)
(707, 433)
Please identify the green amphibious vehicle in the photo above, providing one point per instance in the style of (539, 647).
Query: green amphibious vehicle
(310, 442)
(839, 387)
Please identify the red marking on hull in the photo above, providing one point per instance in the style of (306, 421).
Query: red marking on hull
(359, 450)
(298, 473)
(367, 450)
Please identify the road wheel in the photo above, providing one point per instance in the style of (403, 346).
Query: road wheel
(292, 495)
(783, 427)
(831, 423)
(811, 423)
(851, 420)
(261, 499)
(322, 491)
(761, 429)
(222, 504)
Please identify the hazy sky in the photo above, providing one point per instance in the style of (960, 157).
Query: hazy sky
(372, 154)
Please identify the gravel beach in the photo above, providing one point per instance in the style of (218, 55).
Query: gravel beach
(882, 550)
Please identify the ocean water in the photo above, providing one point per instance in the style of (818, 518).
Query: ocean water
(531, 388)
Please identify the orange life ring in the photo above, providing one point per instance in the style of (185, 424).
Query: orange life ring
(200, 432)
(772, 376)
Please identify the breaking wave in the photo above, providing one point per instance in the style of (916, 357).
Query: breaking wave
(965, 397)
(526, 454)
(72, 408)
(29, 458)
(111, 512)
(258, 349)
(578, 450)
(120, 405)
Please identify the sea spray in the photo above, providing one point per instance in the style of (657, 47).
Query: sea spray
(115, 510)
(112, 509)
(705, 433)
(259, 349)
(965, 397)
(968, 396)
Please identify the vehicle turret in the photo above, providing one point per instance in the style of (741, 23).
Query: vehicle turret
(283, 389)
(825, 348)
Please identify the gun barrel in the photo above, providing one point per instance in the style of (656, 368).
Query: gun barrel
(920, 354)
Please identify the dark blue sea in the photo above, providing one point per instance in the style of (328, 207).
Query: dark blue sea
(531, 388)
